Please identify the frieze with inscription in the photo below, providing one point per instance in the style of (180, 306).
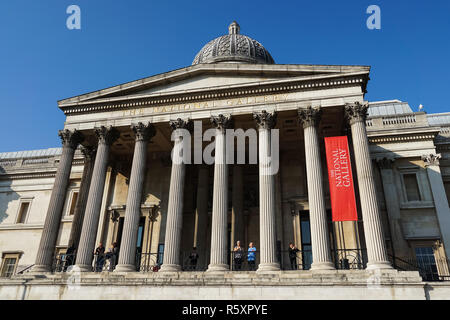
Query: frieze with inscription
(233, 102)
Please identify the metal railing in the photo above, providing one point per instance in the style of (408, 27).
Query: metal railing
(342, 258)
(105, 262)
(102, 262)
(27, 269)
(63, 261)
(349, 259)
(245, 260)
(430, 269)
(148, 262)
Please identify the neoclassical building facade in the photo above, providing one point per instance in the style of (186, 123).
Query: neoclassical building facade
(121, 177)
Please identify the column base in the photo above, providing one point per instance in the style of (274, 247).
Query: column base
(379, 265)
(125, 268)
(40, 268)
(322, 266)
(84, 267)
(263, 267)
(218, 268)
(170, 268)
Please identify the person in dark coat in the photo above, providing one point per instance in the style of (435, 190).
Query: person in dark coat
(100, 253)
(293, 256)
(193, 258)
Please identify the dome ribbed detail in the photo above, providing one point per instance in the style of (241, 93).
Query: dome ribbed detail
(233, 47)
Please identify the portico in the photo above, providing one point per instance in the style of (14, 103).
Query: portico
(182, 227)
(149, 190)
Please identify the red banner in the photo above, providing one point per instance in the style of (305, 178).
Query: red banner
(342, 192)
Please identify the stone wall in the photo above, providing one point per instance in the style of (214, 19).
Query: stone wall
(285, 285)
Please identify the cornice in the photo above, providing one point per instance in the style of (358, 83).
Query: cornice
(165, 78)
(402, 134)
(37, 175)
(402, 138)
(274, 87)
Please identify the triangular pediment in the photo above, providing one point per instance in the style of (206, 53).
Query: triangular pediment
(209, 77)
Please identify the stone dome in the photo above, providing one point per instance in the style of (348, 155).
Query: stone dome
(233, 47)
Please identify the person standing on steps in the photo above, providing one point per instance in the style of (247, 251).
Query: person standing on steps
(251, 256)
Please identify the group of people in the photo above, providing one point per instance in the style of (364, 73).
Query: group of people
(239, 256)
(111, 256)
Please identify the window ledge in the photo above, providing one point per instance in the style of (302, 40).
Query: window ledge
(417, 205)
(21, 226)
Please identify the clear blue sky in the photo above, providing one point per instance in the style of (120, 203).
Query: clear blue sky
(41, 61)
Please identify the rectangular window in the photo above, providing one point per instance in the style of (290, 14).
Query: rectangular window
(160, 254)
(73, 203)
(411, 187)
(8, 267)
(426, 263)
(23, 212)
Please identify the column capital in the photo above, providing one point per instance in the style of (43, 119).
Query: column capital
(88, 152)
(181, 124)
(356, 111)
(70, 139)
(310, 116)
(265, 120)
(106, 135)
(143, 132)
(431, 159)
(385, 163)
(222, 122)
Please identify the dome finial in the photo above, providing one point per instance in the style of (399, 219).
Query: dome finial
(234, 28)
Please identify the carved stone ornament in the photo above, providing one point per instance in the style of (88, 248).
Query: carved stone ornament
(431, 159)
(154, 213)
(115, 215)
(106, 135)
(385, 163)
(181, 124)
(70, 139)
(143, 132)
(265, 120)
(88, 152)
(222, 122)
(309, 116)
(357, 111)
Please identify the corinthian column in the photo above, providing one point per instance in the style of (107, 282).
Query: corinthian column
(106, 136)
(376, 247)
(80, 206)
(310, 118)
(219, 238)
(431, 162)
(70, 141)
(171, 260)
(127, 257)
(268, 256)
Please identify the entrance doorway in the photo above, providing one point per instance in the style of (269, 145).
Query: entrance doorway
(305, 228)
